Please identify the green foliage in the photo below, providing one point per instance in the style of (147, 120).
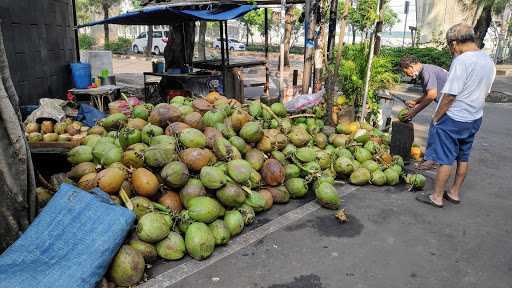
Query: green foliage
(438, 57)
(390, 18)
(86, 41)
(364, 15)
(256, 19)
(353, 72)
(273, 48)
(120, 46)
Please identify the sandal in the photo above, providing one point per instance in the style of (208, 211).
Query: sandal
(450, 199)
(426, 165)
(425, 198)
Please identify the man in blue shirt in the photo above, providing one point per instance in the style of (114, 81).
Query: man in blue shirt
(459, 113)
(432, 79)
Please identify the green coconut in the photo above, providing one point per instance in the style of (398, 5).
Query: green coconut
(299, 136)
(397, 168)
(213, 117)
(193, 188)
(297, 187)
(321, 140)
(416, 181)
(279, 156)
(289, 149)
(280, 194)
(256, 201)
(311, 167)
(324, 159)
(371, 146)
(128, 136)
(247, 213)
(91, 140)
(160, 155)
(251, 132)
(147, 250)
(327, 196)
(285, 125)
(343, 128)
(392, 177)
(112, 155)
(220, 232)
(370, 165)
(231, 195)
(356, 164)
(239, 170)
(127, 268)
(360, 176)
(378, 178)
(81, 170)
(175, 174)
(224, 150)
(362, 154)
(256, 158)
(133, 158)
(339, 140)
(141, 206)
(199, 241)
(153, 227)
(239, 143)
(212, 177)
(149, 131)
(402, 115)
(343, 152)
(204, 209)
(140, 111)
(163, 139)
(343, 166)
(79, 154)
(361, 136)
(255, 109)
(184, 221)
(114, 121)
(171, 247)
(279, 109)
(305, 154)
(291, 171)
(185, 110)
(234, 221)
(398, 160)
(192, 138)
(178, 100)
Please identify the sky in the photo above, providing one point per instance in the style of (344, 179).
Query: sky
(398, 7)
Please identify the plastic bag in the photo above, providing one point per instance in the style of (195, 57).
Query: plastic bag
(70, 244)
(304, 101)
(123, 106)
(89, 115)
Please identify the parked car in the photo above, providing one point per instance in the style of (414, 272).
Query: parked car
(233, 44)
(159, 41)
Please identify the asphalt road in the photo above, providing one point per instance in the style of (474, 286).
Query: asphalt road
(391, 240)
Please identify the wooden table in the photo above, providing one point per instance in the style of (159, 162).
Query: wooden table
(98, 95)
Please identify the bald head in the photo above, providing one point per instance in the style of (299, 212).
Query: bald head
(460, 33)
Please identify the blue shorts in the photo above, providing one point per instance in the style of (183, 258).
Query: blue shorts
(451, 140)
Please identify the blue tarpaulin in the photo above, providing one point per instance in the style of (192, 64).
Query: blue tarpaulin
(169, 14)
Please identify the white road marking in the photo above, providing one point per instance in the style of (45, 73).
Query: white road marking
(190, 267)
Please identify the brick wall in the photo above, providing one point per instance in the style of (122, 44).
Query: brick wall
(40, 45)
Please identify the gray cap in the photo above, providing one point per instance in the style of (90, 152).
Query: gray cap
(460, 33)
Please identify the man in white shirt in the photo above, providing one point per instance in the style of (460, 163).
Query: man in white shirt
(459, 113)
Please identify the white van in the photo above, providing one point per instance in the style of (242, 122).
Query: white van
(159, 41)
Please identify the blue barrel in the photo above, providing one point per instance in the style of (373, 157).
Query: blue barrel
(81, 73)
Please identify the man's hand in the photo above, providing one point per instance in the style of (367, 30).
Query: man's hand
(410, 114)
(410, 103)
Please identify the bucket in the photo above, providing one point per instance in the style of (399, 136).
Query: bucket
(158, 67)
(81, 73)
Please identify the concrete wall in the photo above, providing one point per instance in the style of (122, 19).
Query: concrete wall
(40, 45)
(434, 17)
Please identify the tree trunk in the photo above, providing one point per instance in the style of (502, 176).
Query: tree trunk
(201, 43)
(288, 34)
(247, 30)
(482, 25)
(331, 39)
(353, 34)
(149, 45)
(106, 30)
(320, 47)
(310, 46)
(179, 50)
(17, 184)
(378, 28)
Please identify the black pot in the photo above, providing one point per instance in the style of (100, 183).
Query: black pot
(110, 80)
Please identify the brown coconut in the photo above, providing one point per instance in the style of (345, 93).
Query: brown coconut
(164, 114)
(202, 105)
(272, 172)
(47, 127)
(194, 120)
(111, 179)
(175, 128)
(88, 181)
(172, 201)
(269, 200)
(211, 134)
(145, 182)
(136, 123)
(196, 158)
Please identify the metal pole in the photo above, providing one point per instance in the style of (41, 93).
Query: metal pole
(406, 11)
(369, 70)
(222, 44)
(267, 72)
(227, 40)
(281, 50)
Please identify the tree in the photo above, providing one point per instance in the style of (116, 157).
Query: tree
(250, 21)
(83, 11)
(292, 15)
(201, 43)
(484, 11)
(149, 44)
(363, 16)
(104, 6)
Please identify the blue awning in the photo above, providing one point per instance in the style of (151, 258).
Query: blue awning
(170, 14)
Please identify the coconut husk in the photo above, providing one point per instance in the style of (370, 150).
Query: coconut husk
(202, 105)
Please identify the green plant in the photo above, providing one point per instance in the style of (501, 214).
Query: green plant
(86, 41)
(120, 46)
(438, 57)
(353, 72)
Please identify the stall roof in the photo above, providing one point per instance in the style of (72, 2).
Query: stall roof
(168, 14)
